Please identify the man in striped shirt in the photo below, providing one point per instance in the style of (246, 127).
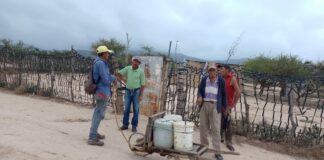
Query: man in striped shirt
(212, 99)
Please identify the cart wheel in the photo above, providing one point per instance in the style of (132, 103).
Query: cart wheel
(176, 158)
(173, 156)
(193, 158)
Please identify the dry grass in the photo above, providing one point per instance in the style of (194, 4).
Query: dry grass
(316, 153)
(21, 89)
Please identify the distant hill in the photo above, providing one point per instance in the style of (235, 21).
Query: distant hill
(86, 53)
(233, 61)
(180, 57)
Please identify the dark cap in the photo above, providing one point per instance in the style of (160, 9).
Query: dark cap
(226, 66)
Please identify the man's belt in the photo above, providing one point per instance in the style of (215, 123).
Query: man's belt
(132, 90)
(214, 102)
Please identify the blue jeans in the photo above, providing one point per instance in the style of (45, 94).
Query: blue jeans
(131, 97)
(98, 115)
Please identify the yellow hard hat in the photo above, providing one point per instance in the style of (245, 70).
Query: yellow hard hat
(102, 49)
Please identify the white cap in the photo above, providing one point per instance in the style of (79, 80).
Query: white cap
(212, 66)
(136, 58)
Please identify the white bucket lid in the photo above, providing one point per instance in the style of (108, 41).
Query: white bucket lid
(173, 117)
(183, 123)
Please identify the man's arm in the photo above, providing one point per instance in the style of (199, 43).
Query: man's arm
(199, 94)
(121, 74)
(237, 90)
(120, 77)
(141, 92)
(103, 73)
(142, 81)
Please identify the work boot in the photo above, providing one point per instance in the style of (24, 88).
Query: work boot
(219, 157)
(230, 147)
(95, 142)
(134, 130)
(123, 128)
(100, 136)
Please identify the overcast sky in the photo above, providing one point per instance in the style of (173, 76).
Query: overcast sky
(205, 29)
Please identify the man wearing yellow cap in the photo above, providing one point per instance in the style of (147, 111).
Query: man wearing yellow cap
(103, 79)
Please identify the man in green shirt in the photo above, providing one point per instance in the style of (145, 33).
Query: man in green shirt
(134, 78)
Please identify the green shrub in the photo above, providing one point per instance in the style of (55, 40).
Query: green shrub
(32, 89)
(20, 90)
(45, 92)
(2, 84)
(282, 65)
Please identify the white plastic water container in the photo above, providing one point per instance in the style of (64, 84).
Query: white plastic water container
(173, 117)
(163, 133)
(183, 135)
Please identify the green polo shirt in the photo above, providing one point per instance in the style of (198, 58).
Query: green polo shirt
(134, 78)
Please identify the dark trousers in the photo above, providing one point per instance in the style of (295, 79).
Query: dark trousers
(226, 128)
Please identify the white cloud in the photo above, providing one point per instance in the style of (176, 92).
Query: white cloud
(205, 29)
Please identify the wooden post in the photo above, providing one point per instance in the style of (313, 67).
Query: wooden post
(181, 94)
(127, 47)
(165, 72)
(19, 68)
(119, 102)
(5, 67)
(291, 109)
(72, 77)
(52, 77)
(247, 109)
(169, 52)
(38, 62)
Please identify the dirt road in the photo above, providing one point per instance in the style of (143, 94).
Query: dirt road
(33, 128)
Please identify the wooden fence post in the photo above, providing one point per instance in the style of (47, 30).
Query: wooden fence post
(181, 94)
(165, 73)
(72, 77)
(246, 121)
(52, 77)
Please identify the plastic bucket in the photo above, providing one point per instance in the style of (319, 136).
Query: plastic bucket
(183, 135)
(162, 133)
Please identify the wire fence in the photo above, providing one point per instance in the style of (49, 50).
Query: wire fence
(51, 74)
(273, 108)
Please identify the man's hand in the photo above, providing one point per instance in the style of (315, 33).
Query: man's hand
(140, 98)
(115, 83)
(199, 101)
(120, 77)
(227, 111)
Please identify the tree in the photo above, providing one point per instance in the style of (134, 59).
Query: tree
(261, 64)
(20, 46)
(282, 66)
(7, 43)
(320, 68)
(112, 44)
(148, 50)
(118, 57)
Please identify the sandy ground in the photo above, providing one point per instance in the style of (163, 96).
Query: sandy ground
(33, 128)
